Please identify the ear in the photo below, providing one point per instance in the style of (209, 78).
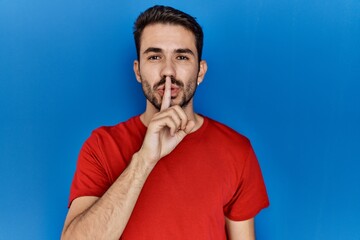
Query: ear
(137, 70)
(202, 71)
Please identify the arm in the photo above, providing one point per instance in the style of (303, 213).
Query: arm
(95, 218)
(240, 230)
(106, 217)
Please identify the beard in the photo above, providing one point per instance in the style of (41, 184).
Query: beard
(187, 91)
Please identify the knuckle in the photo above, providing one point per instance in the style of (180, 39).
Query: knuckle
(178, 108)
(172, 110)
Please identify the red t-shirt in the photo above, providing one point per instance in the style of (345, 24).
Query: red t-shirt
(212, 173)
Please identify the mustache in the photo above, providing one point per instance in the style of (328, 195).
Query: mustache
(173, 81)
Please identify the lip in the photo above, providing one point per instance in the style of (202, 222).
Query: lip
(174, 90)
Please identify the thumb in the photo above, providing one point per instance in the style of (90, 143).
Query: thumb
(182, 133)
(189, 126)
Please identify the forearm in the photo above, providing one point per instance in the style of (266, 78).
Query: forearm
(240, 230)
(108, 216)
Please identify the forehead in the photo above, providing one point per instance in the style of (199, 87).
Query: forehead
(167, 37)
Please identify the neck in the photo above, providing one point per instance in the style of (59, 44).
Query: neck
(189, 111)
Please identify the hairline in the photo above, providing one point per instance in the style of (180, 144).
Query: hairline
(171, 24)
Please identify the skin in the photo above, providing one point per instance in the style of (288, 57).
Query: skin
(169, 117)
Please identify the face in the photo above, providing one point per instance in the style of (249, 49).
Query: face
(169, 51)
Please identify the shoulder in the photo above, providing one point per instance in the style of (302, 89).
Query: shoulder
(129, 130)
(226, 141)
(225, 134)
(123, 128)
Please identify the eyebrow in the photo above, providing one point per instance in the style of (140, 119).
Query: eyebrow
(184, 50)
(153, 49)
(159, 50)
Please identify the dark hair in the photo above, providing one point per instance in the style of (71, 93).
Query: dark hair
(164, 14)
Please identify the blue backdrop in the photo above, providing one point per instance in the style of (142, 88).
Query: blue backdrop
(284, 73)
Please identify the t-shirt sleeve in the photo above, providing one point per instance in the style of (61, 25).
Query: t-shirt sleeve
(90, 177)
(250, 196)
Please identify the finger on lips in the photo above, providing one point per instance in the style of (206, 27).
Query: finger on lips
(175, 117)
(166, 100)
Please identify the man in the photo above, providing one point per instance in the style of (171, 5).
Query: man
(168, 173)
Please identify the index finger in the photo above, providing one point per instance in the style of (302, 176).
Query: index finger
(166, 100)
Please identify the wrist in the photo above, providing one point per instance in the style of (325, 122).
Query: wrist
(144, 162)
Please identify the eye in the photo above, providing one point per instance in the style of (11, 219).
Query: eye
(181, 57)
(154, 57)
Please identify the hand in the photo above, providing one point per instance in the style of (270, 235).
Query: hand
(166, 129)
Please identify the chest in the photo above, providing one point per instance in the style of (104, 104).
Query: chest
(190, 181)
(184, 195)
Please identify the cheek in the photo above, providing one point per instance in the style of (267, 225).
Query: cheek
(149, 73)
(188, 73)
(146, 86)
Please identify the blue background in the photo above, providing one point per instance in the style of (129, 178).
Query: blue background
(284, 73)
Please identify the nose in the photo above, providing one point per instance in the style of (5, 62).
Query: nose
(168, 69)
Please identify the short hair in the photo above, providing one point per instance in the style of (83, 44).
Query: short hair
(167, 15)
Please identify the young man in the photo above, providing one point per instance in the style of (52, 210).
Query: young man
(168, 173)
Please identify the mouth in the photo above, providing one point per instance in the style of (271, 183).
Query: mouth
(174, 90)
